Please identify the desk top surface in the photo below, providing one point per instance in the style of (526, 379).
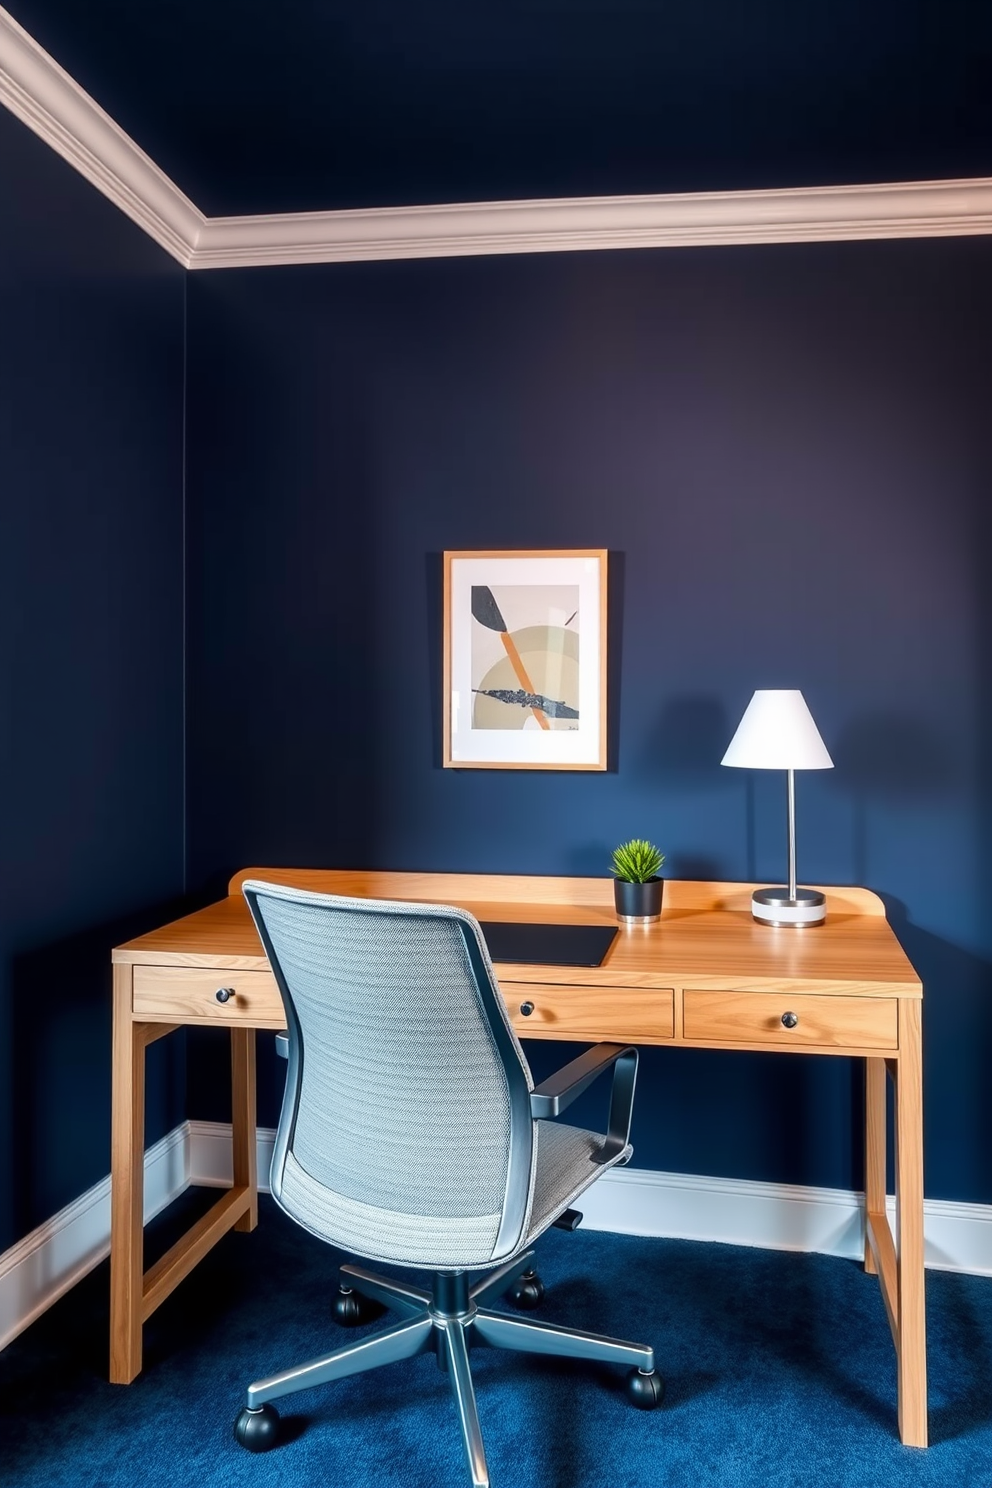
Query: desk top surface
(706, 937)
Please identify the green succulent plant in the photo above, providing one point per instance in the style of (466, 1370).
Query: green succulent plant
(636, 861)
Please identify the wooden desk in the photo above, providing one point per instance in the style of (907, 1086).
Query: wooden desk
(706, 975)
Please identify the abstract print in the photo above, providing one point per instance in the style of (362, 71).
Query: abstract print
(525, 656)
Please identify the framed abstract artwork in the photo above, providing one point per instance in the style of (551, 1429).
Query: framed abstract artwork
(525, 660)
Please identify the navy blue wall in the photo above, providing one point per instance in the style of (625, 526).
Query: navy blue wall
(91, 741)
(785, 450)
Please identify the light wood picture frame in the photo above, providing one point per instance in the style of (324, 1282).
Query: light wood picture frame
(525, 659)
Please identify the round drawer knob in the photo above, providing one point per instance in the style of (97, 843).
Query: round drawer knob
(789, 1020)
(526, 1008)
(224, 994)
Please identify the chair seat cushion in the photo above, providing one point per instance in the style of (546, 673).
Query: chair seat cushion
(567, 1163)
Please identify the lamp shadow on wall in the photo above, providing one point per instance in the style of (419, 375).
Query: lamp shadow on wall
(887, 759)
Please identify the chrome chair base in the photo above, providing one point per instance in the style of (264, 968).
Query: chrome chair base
(450, 1320)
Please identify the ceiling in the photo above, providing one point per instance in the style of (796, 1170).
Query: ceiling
(310, 105)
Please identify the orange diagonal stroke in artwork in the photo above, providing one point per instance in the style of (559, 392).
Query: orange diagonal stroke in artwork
(522, 677)
(487, 612)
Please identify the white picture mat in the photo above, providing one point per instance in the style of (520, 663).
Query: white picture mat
(526, 746)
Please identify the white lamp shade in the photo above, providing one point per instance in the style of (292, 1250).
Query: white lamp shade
(777, 732)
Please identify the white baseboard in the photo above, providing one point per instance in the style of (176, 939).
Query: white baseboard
(776, 1216)
(687, 1206)
(36, 1271)
(627, 1201)
(210, 1162)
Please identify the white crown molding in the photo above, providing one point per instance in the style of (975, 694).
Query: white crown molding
(45, 97)
(36, 1271)
(917, 209)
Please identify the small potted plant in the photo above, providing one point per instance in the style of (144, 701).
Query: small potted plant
(637, 887)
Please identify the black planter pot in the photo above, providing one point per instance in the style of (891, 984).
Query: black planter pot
(638, 903)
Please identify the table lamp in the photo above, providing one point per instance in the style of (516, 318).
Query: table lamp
(777, 732)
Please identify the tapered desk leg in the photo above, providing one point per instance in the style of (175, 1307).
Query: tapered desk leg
(127, 1185)
(875, 1149)
(911, 1344)
(243, 1120)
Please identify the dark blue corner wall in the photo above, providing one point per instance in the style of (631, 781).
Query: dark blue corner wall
(91, 733)
(785, 450)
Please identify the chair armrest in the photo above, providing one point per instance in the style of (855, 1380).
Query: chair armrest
(558, 1091)
(282, 1044)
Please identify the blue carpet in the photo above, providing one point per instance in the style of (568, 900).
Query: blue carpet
(779, 1368)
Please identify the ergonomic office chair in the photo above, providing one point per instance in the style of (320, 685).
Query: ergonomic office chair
(411, 1133)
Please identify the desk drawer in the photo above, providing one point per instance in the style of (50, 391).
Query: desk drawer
(617, 1014)
(188, 994)
(756, 1018)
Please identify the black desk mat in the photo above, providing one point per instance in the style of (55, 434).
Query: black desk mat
(548, 945)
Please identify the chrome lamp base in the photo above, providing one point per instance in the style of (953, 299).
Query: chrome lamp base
(780, 908)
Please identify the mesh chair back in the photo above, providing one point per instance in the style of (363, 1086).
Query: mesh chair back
(405, 1132)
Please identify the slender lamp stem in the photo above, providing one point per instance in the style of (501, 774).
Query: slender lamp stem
(777, 732)
(792, 834)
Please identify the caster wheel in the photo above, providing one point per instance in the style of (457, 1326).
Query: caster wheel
(646, 1391)
(351, 1308)
(258, 1430)
(527, 1291)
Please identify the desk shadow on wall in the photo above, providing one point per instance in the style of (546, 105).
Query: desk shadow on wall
(734, 1114)
(957, 1056)
(208, 1076)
